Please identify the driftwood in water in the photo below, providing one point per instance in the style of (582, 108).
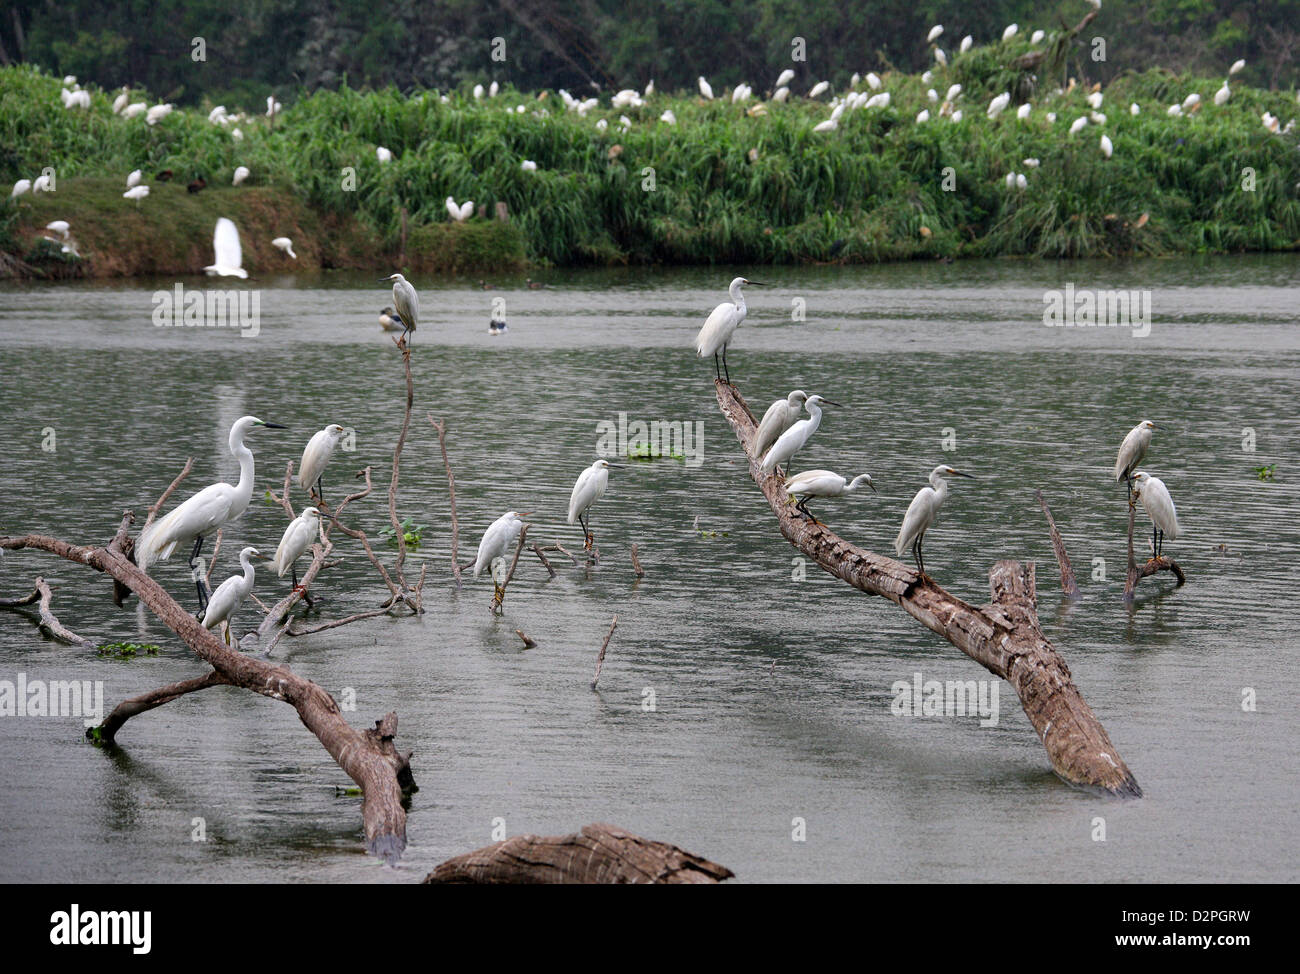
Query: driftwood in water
(598, 854)
(1003, 637)
(1068, 585)
(600, 659)
(48, 623)
(1138, 572)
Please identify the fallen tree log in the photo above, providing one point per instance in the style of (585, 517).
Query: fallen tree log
(1003, 637)
(598, 854)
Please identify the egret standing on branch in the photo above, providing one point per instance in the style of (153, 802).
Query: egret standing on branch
(320, 448)
(923, 512)
(821, 483)
(794, 439)
(1159, 507)
(205, 512)
(589, 488)
(231, 593)
(721, 325)
(1132, 451)
(407, 303)
(780, 416)
(296, 541)
(501, 535)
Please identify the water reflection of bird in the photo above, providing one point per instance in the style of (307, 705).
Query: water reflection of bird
(390, 320)
(1159, 505)
(822, 483)
(923, 511)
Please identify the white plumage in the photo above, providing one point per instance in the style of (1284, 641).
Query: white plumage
(241, 173)
(793, 440)
(1133, 449)
(923, 512)
(229, 256)
(320, 448)
(285, 244)
(460, 212)
(721, 324)
(134, 177)
(296, 541)
(822, 483)
(706, 89)
(230, 593)
(406, 301)
(780, 416)
(1159, 505)
(498, 539)
(588, 489)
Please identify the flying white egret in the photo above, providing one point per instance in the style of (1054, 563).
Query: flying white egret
(285, 244)
(296, 541)
(588, 489)
(390, 320)
(407, 303)
(501, 535)
(780, 416)
(316, 456)
(460, 212)
(133, 178)
(706, 89)
(1159, 507)
(136, 193)
(793, 440)
(241, 173)
(821, 483)
(205, 512)
(229, 256)
(721, 325)
(923, 511)
(1133, 450)
(231, 593)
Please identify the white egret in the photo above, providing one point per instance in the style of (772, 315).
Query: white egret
(706, 89)
(1237, 65)
(156, 114)
(501, 535)
(407, 303)
(998, 104)
(1223, 94)
(1095, 99)
(589, 488)
(460, 212)
(316, 456)
(528, 165)
(935, 31)
(41, 184)
(784, 78)
(1133, 450)
(241, 173)
(1031, 162)
(1135, 109)
(390, 320)
(818, 88)
(781, 94)
(228, 255)
(134, 109)
(668, 117)
(1106, 147)
(1021, 181)
(716, 334)
(793, 440)
(231, 593)
(218, 115)
(20, 187)
(296, 541)
(58, 226)
(285, 244)
(120, 102)
(1159, 507)
(1037, 36)
(923, 511)
(873, 81)
(1191, 101)
(133, 178)
(1078, 124)
(941, 57)
(215, 505)
(923, 116)
(821, 483)
(966, 43)
(830, 125)
(384, 155)
(136, 193)
(1023, 111)
(1010, 31)
(780, 416)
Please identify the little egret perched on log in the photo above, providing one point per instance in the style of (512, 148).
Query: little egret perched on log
(1159, 507)
(821, 483)
(230, 593)
(721, 325)
(498, 539)
(320, 448)
(923, 511)
(780, 416)
(205, 512)
(296, 541)
(407, 303)
(589, 488)
(228, 256)
(1133, 450)
(794, 439)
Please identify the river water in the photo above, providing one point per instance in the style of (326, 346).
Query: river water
(745, 707)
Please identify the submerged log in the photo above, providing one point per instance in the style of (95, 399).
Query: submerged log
(1068, 585)
(1003, 637)
(598, 854)
(48, 622)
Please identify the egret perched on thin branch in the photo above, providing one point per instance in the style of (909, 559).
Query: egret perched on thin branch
(780, 416)
(205, 512)
(1159, 507)
(296, 541)
(821, 483)
(721, 325)
(407, 303)
(498, 539)
(590, 487)
(1132, 451)
(320, 448)
(230, 593)
(793, 440)
(228, 255)
(923, 512)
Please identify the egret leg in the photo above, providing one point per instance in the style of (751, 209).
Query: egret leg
(920, 559)
(199, 583)
(716, 367)
(320, 489)
(724, 364)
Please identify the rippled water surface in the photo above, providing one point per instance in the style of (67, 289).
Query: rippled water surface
(771, 693)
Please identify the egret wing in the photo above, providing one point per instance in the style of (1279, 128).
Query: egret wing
(225, 243)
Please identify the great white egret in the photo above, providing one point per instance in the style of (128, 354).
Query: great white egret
(721, 325)
(923, 511)
(390, 320)
(230, 593)
(793, 440)
(498, 539)
(285, 244)
(407, 303)
(1159, 507)
(821, 483)
(205, 512)
(1133, 450)
(296, 541)
(780, 416)
(320, 448)
(588, 489)
(228, 255)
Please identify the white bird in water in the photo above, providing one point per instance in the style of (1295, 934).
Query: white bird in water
(241, 173)
(1159, 506)
(231, 593)
(501, 535)
(460, 212)
(229, 256)
(721, 324)
(780, 416)
(923, 511)
(285, 244)
(407, 303)
(822, 483)
(296, 541)
(215, 505)
(793, 440)
(706, 89)
(588, 489)
(316, 456)
(1133, 450)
